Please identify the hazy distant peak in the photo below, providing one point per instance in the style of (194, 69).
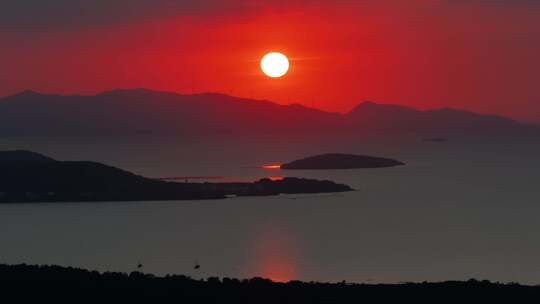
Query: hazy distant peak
(35, 95)
(300, 107)
(373, 106)
(451, 110)
(467, 114)
(142, 92)
(27, 93)
(367, 103)
(132, 92)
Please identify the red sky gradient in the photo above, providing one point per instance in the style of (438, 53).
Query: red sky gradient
(478, 55)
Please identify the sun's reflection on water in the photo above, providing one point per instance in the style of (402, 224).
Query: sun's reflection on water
(275, 254)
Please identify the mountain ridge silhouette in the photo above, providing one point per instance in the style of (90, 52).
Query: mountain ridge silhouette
(144, 111)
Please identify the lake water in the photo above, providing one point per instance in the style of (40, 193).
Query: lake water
(459, 209)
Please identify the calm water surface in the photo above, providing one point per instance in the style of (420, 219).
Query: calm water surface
(459, 209)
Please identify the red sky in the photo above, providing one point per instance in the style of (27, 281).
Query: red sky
(480, 55)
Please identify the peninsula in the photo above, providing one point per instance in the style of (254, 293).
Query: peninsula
(31, 177)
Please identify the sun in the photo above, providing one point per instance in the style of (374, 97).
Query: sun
(274, 64)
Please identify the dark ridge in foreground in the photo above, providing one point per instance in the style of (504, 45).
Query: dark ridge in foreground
(30, 177)
(340, 161)
(54, 282)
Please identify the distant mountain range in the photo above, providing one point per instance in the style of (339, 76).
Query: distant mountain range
(142, 111)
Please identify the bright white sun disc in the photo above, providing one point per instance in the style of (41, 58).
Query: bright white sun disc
(274, 64)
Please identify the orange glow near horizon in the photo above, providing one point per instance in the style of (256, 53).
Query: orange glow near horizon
(279, 270)
(271, 167)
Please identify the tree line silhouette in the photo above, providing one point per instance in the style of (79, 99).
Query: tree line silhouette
(55, 282)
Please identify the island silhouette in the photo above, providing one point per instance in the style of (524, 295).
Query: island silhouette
(27, 176)
(335, 161)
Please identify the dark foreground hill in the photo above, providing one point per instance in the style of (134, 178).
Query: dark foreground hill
(30, 177)
(55, 283)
